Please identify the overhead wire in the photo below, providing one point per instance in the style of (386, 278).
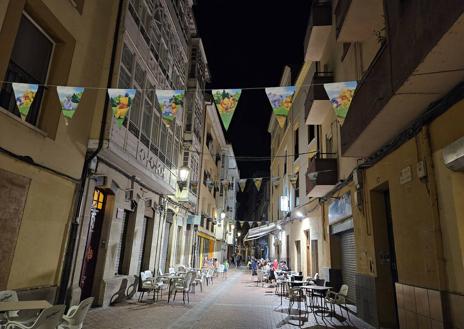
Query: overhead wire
(244, 88)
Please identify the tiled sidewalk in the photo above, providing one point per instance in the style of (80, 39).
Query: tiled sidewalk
(235, 302)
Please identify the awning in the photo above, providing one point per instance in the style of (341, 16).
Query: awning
(258, 232)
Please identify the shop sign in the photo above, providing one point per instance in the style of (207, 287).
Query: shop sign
(340, 208)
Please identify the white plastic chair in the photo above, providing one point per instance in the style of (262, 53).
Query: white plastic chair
(334, 298)
(74, 319)
(49, 318)
(9, 296)
(220, 269)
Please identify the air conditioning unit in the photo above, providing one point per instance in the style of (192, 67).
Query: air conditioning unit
(453, 155)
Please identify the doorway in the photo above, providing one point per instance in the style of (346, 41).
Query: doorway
(308, 253)
(314, 257)
(298, 256)
(384, 242)
(92, 245)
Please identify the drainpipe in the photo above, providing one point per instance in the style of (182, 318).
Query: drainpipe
(73, 232)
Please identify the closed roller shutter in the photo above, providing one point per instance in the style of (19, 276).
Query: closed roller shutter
(349, 263)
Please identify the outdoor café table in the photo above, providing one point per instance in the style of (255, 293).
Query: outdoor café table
(24, 305)
(314, 287)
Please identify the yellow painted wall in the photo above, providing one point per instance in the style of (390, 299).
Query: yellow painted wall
(41, 238)
(450, 185)
(81, 58)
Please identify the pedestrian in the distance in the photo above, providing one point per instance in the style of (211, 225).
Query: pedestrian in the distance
(226, 268)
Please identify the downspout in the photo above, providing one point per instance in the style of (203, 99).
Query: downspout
(73, 232)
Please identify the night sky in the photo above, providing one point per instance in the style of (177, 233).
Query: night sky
(248, 43)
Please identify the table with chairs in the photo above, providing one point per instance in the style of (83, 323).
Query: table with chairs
(44, 315)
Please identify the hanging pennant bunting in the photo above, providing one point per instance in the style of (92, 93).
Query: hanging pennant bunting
(226, 101)
(340, 95)
(171, 102)
(258, 182)
(70, 98)
(281, 99)
(121, 101)
(242, 183)
(24, 95)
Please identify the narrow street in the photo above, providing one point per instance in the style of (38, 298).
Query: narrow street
(235, 302)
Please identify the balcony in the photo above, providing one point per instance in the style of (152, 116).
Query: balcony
(131, 155)
(317, 104)
(321, 176)
(357, 20)
(318, 31)
(390, 97)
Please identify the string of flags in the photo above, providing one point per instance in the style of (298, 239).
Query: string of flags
(171, 102)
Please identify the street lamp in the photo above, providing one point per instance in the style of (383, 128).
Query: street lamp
(183, 176)
(238, 234)
(223, 215)
(232, 226)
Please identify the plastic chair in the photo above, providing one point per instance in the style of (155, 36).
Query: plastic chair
(49, 318)
(74, 319)
(184, 286)
(334, 298)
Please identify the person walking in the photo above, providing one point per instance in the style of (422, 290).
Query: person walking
(226, 268)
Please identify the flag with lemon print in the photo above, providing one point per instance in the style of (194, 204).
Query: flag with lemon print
(281, 99)
(24, 95)
(226, 101)
(121, 100)
(172, 103)
(340, 95)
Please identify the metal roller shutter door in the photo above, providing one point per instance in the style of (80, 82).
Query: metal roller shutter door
(349, 263)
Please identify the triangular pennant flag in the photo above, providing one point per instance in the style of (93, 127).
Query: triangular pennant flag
(121, 101)
(281, 99)
(258, 182)
(24, 95)
(172, 103)
(70, 98)
(242, 184)
(226, 101)
(242, 222)
(340, 95)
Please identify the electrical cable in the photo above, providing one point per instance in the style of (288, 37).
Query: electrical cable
(30, 161)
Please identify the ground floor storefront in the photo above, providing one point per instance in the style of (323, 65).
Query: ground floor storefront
(235, 302)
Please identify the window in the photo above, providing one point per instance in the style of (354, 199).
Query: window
(297, 190)
(285, 163)
(311, 133)
(28, 66)
(163, 142)
(146, 121)
(121, 248)
(296, 150)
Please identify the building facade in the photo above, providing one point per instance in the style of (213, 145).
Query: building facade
(48, 43)
(134, 217)
(383, 179)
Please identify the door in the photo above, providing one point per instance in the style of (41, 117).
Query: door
(348, 262)
(314, 257)
(308, 253)
(92, 244)
(298, 256)
(384, 244)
